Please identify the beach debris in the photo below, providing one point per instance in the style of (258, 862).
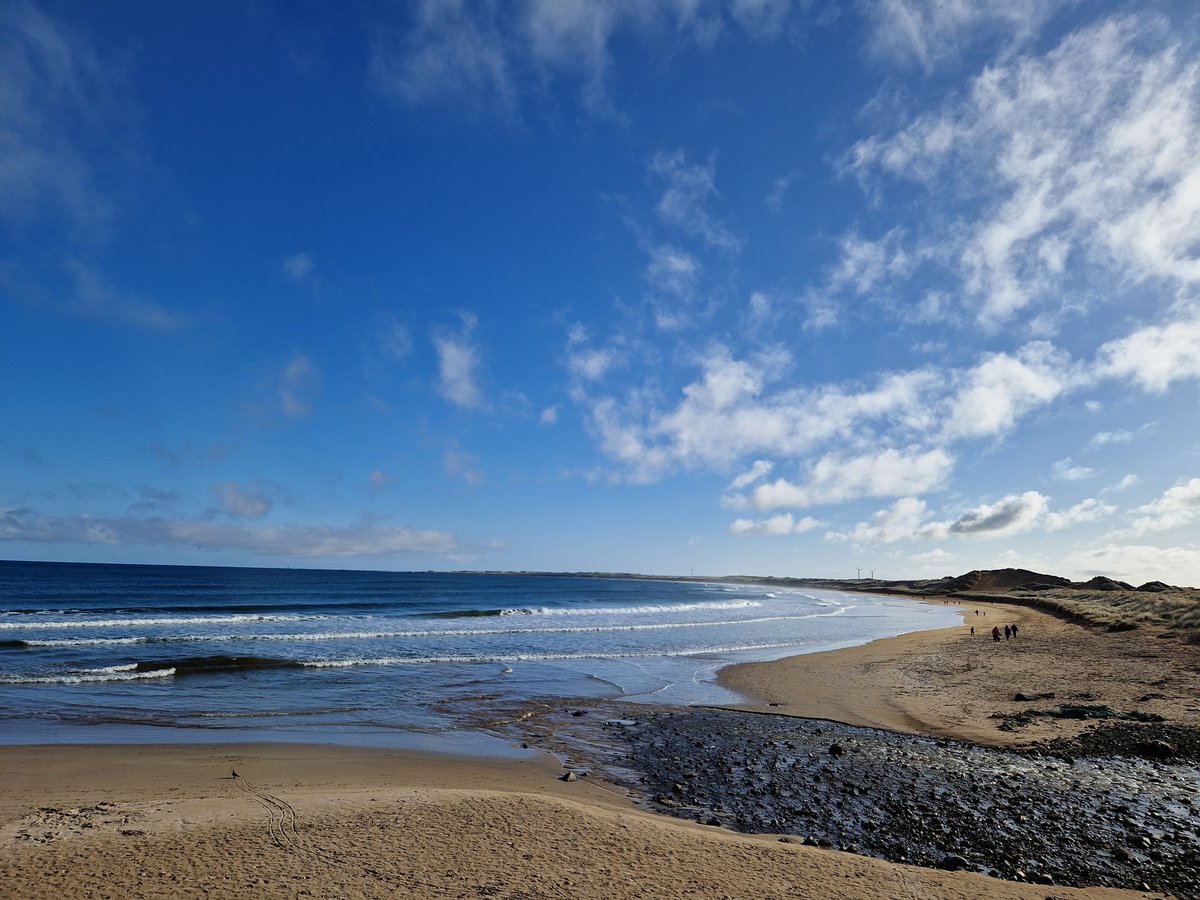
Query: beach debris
(1022, 697)
(570, 776)
(235, 774)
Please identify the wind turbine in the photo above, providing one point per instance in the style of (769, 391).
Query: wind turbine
(872, 571)
(859, 570)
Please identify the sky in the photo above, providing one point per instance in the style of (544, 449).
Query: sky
(776, 287)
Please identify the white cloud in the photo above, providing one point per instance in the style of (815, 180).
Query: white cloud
(687, 192)
(458, 365)
(1067, 470)
(761, 18)
(1090, 510)
(1137, 563)
(587, 362)
(489, 54)
(673, 271)
(1103, 438)
(1179, 505)
(299, 266)
(935, 556)
(1155, 356)
(761, 469)
(730, 413)
(835, 478)
(775, 525)
(461, 464)
(549, 415)
(451, 50)
(993, 395)
(63, 117)
(393, 336)
(95, 298)
(1069, 173)
(299, 379)
(1012, 515)
(250, 502)
(903, 520)
(1124, 484)
(932, 32)
(283, 541)
(863, 264)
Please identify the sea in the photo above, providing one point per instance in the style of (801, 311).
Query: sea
(416, 660)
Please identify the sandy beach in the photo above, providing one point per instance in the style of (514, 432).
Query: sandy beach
(324, 821)
(950, 683)
(168, 821)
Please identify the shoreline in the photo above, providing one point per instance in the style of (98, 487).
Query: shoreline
(947, 683)
(318, 819)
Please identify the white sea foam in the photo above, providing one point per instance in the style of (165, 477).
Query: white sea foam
(631, 610)
(537, 657)
(33, 624)
(108, 673)
(320, 636)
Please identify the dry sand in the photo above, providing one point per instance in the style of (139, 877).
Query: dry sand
(948, 683)
(318, 821)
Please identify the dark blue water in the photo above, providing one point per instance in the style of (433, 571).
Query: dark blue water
(114, 652)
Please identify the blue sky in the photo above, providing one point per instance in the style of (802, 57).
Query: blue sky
(757, 286)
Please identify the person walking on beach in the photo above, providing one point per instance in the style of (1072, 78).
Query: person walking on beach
(1014, 630)
(996, 633)
(1007, 633)
(972, 631)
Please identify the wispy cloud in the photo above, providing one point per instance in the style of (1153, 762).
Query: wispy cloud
(95, 298)
(61, 111)
(236, 501)
(283, 541)
(458, 366)
(934, 32)
(775, 525)
(1036, 189)
(490, 57)
(298, 382)
(1068, 470)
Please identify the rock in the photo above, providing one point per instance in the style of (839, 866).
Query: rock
(1122, 855)
(1155, 749)
(824, 842)
(714, 821)
(579, 712)
(570, 776)
(1029, 698)
(953, 862)
(836, 749)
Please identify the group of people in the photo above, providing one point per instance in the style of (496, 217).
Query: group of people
(1010, 632)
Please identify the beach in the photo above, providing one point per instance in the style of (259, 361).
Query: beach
(159, 821)
(313, 820)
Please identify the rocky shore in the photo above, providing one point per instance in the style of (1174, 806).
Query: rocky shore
(1064, 814)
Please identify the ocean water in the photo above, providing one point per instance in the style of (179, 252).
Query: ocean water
(104, 653)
